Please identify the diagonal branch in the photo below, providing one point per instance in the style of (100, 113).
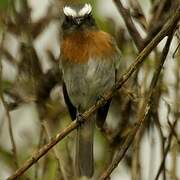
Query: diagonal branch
(145, 114)
(174, 132)
(130, 25)
(61, 169)
(166, 150)
(171, 24)
(10, 129)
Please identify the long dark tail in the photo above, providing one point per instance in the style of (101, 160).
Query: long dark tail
(84, 160)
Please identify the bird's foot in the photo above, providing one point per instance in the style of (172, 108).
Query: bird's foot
(80, 118)
(101, 97)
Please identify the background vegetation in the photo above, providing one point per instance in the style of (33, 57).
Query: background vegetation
(141, 138)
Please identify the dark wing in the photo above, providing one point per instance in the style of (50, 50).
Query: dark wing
(102, 114)
(72, 110)
(103, 111)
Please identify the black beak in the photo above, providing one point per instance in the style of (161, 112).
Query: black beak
(78, 20)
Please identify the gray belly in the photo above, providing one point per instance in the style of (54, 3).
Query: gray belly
(86, 82)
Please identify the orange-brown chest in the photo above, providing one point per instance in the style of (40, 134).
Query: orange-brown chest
(80, 46)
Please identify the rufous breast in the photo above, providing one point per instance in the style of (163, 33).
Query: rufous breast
(80, 46)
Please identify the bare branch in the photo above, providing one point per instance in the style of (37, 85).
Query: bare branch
(61, 169)
(139, 60)
(6, 108)
(147, 107)
(166, 151)
(130, 25)
(174, 132)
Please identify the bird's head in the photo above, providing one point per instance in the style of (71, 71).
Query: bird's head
(78, 17)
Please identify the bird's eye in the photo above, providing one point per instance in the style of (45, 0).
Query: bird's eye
(88, 16)
(68, 18)
(67, 23)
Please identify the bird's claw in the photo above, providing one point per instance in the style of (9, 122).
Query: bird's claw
(100, 97)
(80, 118)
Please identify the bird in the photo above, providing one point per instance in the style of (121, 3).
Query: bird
(89, 62)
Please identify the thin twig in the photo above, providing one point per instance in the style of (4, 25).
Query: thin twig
(136, 170)
(166, 151)
(61, 169)
(6, 109)
(151, 154)
(38, 147)
(147, 107)
(170, 137)
(178, 38)
(14, 149)
(174, 133)
(130, 25)
(171, 24)
(120, 154)
(10, 129)
(157, 122)
(176, 114)
(158, 13)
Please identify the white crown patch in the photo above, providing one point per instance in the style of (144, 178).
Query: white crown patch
(85, 10)
(68, 11)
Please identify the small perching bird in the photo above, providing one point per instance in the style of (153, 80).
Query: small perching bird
(89, 60)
